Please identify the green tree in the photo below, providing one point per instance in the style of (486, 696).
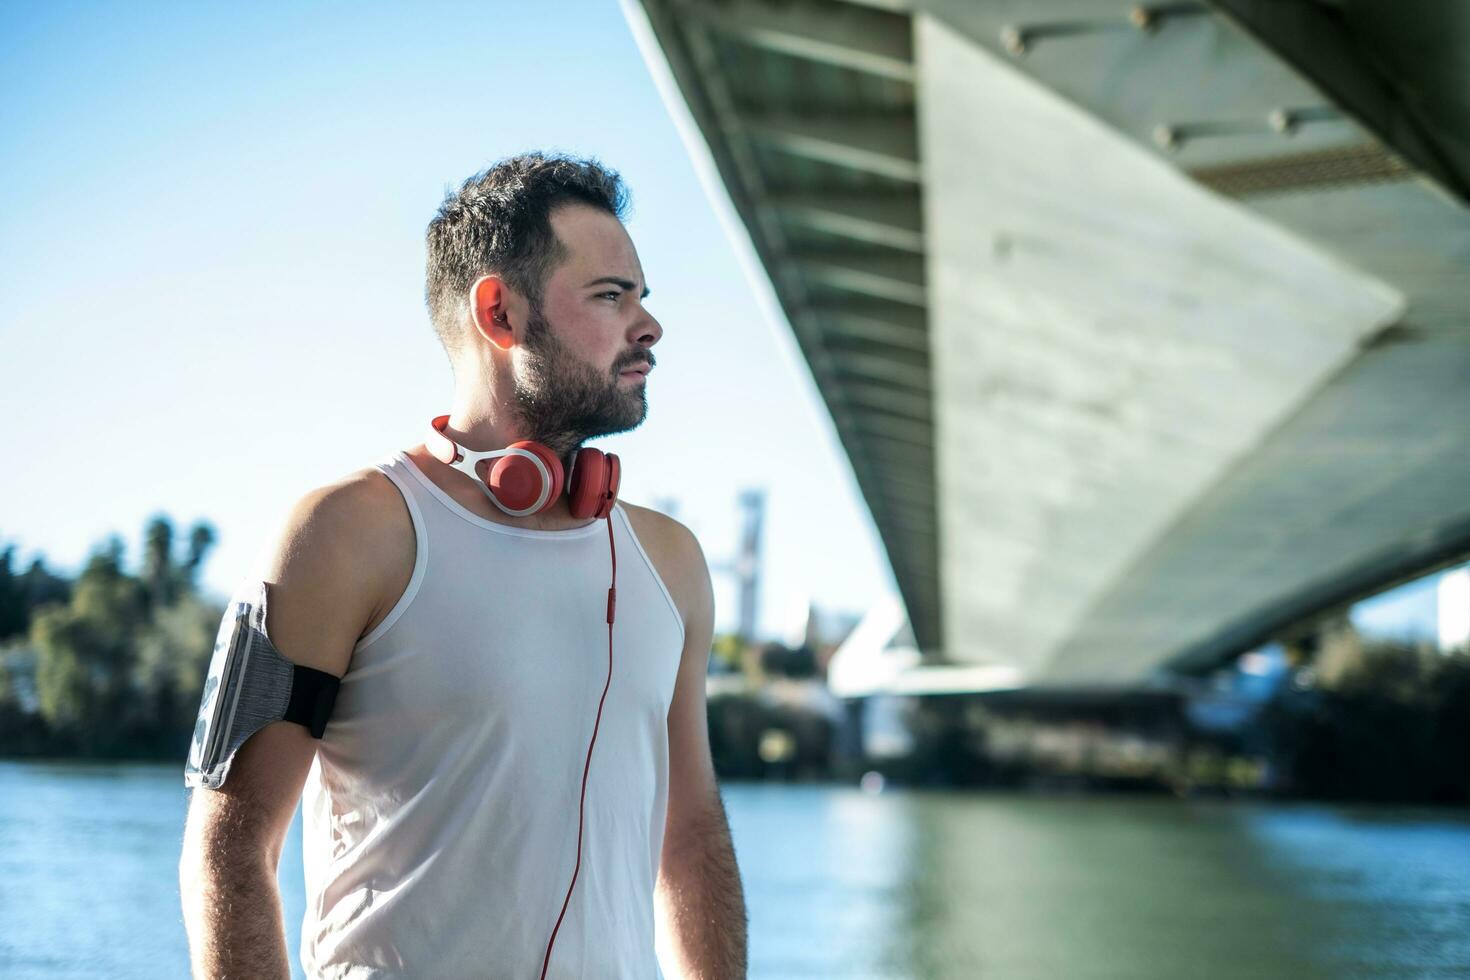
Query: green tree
(21, 594)
(172, 657)
(41, 587)
(112, 664)
(15, 614)
(159, 575)
(86, 649)
(1390, 726)
(166, 580)
(201, 539)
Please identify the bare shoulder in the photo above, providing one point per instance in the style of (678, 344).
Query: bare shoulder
(674, 551)
(354, 516)
(345, 549)
(663, 531)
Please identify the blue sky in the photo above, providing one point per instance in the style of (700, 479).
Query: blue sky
(211, 225)
(1409, 612)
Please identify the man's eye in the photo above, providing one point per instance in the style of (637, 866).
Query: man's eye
(612, 292)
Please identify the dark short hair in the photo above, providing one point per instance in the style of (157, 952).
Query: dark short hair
(499, 221)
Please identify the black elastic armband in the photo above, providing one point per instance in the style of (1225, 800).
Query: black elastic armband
(313, 694)
(248, 686)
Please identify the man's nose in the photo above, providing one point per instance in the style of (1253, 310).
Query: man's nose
(647, 331)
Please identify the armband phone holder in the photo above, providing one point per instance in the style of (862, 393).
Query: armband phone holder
(250, 685)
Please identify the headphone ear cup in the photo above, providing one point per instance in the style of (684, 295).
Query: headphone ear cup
(553, 466)
(517, 483)
(590, 475)
(614, 477)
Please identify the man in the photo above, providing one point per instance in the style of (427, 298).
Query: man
(474, 808)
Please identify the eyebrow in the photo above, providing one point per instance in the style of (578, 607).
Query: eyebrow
(621, 283)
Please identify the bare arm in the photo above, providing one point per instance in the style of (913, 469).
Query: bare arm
(323, 594)
(232, 846)
(699, 898)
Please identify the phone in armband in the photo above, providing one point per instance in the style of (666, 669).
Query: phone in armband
(248, 686)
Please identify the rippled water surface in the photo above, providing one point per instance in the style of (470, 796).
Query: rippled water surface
(842, 884)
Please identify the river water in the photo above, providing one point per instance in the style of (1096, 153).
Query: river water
(840, 883)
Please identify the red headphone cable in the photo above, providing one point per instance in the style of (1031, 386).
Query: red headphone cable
(612, 596)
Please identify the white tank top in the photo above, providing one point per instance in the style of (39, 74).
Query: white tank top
(440, 813)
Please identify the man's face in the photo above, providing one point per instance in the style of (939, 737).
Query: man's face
(591, 327)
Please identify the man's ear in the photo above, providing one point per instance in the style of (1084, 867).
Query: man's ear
(490, 301)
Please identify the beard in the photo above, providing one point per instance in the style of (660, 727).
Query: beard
(561, 401)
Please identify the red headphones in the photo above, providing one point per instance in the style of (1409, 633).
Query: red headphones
(525, 479)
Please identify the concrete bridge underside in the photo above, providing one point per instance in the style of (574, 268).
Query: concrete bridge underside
(1146, 329)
